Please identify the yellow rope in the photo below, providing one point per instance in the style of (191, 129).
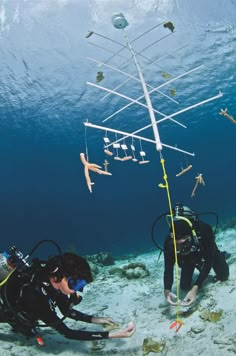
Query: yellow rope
(166, 186)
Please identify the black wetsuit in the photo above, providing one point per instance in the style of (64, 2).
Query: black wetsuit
(205, 255)
(38, 302)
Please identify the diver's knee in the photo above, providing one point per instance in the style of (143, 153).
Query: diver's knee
(223, 276)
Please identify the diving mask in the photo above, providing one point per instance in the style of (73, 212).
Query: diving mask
(184, 246)
(77, 285)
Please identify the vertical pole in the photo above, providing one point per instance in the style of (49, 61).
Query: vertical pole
(147, 97)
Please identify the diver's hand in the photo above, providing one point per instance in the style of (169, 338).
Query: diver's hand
(124, 333)
(108, 321)
(190, 297)
(170, 297)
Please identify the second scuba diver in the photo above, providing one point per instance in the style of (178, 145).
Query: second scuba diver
(196, 249)
(31, 294)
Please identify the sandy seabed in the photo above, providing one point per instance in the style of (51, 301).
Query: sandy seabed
(142, 301)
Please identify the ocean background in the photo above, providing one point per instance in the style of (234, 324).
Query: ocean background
(44, 102)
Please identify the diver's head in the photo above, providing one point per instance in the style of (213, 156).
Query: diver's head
(182, 210)
(183, 236)
(71, 268)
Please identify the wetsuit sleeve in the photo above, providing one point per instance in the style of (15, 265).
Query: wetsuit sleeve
(168, 264)
(62, 328)
(207, 248)
(39, 307)
(65, 306)
(79, 334)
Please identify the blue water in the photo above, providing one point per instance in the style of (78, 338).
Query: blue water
(44, 101)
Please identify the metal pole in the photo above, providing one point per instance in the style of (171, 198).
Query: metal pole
(147, 97)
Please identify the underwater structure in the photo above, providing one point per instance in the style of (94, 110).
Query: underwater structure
(118, 148)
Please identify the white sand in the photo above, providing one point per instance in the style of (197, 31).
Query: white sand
(142, 302)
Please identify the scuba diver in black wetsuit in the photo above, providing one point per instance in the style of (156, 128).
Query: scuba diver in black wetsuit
(196, 248)
(31, 293)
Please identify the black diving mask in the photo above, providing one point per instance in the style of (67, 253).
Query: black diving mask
(184, 246)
